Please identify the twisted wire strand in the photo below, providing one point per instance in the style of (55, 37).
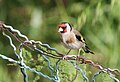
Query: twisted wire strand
(27, 67)
(20, 57)
(12, 45)
(14, 30)
(78, 68)
(23, 70)
(45, 54)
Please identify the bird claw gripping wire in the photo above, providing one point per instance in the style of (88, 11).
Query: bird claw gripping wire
(37, 46)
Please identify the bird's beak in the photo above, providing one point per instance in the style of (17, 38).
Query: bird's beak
(60, 30)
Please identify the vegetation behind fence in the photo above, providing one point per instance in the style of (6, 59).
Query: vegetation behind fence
(98, 21)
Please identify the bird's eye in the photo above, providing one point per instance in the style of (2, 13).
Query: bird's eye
(64, 27)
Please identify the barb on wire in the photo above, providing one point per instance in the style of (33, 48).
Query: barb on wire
(47, 52)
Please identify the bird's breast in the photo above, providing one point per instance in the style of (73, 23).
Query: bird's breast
(68, 38)
(70, 42)
(75, 45)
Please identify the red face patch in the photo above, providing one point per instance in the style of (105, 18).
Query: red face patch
(61, 25)
(65, 30)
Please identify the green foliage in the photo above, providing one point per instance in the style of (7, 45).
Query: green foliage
(33, 60)
(104, 78)
(97, 20)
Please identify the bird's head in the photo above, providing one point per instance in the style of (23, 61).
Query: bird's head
(64, 27)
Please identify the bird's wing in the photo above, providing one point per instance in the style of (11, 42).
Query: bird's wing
(80, 38)
(78, 35)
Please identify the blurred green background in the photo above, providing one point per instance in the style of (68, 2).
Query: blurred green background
(97, 20)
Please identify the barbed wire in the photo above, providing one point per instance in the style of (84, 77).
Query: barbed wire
(46, 51)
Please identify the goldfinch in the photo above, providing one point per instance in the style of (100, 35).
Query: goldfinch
(71, 38)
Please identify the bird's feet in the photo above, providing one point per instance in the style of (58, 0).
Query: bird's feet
(80, 59)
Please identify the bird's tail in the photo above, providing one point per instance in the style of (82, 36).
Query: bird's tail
(87, 50)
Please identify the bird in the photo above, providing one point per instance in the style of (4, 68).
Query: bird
(72, 39)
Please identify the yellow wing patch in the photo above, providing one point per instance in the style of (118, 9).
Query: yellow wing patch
(82, 39)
